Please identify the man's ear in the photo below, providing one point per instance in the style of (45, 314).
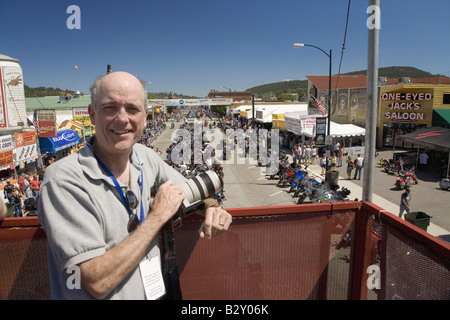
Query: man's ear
(91, 114)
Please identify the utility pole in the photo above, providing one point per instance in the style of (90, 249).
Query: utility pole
(373, 25)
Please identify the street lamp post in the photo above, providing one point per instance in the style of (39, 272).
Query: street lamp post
(329, 55)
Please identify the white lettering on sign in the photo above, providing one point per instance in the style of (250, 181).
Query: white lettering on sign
(406, 96)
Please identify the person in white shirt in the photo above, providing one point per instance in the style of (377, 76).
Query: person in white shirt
(358, 167)
(423, 160)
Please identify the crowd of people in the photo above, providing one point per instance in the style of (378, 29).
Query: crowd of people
(309, 154)
(23, 192)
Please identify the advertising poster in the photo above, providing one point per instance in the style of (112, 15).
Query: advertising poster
(47, 123)
(14, 96)
(321, 129)
(26, 153)
(25, 138)
(308, 123)
(81, 114)
(6, 142)
(6, 158)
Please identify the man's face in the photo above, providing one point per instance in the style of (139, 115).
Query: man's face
(119, 115)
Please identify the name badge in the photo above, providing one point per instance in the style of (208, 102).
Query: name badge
(152, 278)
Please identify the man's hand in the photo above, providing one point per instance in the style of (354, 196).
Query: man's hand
(216, 220)
(167, 200)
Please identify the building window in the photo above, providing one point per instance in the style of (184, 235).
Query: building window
(446, 99)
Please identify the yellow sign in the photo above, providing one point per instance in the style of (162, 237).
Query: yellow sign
(407, 105)
(81, 114)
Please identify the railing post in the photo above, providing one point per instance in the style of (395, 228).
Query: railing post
(357, 284)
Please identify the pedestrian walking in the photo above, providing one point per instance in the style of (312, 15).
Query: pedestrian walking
(8, 191)
(26, 187)
(313, 154)
(405, 202)
(341, 156)
(323, 163)
(17, 203)
(35, 187)
(350, 166)
(294, 156)
(308, 155)
(359, 162)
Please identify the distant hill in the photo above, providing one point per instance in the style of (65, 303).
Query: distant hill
(45, 92)
(49, 92)
(299, 86)
(397, 72)
(273, 89)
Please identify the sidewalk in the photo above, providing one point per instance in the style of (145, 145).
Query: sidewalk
(356, 192)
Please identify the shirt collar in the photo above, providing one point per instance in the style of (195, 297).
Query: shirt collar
(92, 168)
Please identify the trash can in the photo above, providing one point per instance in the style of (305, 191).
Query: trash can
(419, 219)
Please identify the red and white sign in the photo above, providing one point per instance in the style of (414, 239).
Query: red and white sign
(47, 123)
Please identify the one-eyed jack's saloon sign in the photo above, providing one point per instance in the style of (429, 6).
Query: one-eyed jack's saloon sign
(407, 106)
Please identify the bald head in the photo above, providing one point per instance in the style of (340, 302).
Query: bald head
(117, 81)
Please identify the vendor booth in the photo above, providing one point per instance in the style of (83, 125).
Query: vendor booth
(350, 136)
(435, 138)
(264, 113)
(429, 137)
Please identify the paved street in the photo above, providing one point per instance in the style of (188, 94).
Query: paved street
(247, 186)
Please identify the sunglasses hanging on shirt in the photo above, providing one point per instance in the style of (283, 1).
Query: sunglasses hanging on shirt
(132, 202)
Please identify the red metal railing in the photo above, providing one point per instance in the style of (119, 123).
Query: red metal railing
(283, 252)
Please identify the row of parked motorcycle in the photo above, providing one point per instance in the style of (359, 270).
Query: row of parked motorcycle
(407, 176)
(305, 187)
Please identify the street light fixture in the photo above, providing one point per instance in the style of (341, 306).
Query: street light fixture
(329, 55)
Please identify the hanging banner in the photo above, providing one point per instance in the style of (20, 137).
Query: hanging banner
(26, 153)
(25, 138)
(308, 124)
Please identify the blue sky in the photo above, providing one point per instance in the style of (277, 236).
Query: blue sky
(193, 46)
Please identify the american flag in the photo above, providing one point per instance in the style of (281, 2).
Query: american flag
(35, 121)
(319, 105)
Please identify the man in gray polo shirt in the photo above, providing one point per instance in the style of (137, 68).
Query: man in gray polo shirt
(85, 204)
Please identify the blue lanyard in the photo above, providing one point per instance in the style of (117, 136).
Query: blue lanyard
(116, 183)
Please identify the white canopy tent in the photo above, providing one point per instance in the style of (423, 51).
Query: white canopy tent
(263, 112)
(346, 130)
(305, 125)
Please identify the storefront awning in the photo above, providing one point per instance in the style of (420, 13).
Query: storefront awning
(441, 118)
(433, 138)
(64, 139)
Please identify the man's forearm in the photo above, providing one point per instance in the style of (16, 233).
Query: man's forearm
(102, 274)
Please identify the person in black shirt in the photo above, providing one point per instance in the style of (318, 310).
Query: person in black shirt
(8, 190)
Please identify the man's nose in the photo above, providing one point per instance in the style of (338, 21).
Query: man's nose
(122, 115)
